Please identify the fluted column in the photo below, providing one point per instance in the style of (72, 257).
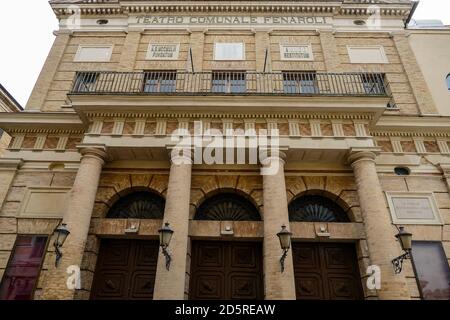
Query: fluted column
(170, 284)
(278, 285)
(381, 241)
(78, 218)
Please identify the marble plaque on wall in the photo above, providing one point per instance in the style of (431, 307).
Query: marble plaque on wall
(413, 208)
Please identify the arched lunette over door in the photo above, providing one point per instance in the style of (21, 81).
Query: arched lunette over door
(227, 207)
(138, 205)
(313, 208)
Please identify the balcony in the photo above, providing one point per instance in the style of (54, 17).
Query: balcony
(231, 83)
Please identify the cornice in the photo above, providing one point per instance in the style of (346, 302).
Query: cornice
(353, 8)
(412, 126)
(209, 115)
(41, 122)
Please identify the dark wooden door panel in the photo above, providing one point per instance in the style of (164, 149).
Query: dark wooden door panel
(309, 286)
(125, 270)
(326, 272)
(226, 270)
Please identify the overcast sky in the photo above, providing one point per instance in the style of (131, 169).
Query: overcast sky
(26, 36)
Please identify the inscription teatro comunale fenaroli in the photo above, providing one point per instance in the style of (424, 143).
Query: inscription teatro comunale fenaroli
(230, 20)
(413, 208)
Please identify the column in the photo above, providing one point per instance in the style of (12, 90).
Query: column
(78, 218)
(278, 286)
(381, 241)
(170, 284)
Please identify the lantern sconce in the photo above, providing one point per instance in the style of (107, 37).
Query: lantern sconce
(61, 232)
(405, 239)
(165, 235)
(285, 242)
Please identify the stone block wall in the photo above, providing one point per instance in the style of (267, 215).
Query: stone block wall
(13, 223)
(440, 233)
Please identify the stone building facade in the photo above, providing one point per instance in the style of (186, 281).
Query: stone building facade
(361, 149)
(7, 104)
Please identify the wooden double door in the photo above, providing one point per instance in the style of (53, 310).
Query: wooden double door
(226, 270)
(126, 270)
(326, 271)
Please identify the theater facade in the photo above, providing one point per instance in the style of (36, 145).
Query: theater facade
(229, 126)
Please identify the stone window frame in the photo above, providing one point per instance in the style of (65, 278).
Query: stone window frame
(384, 57)
(78, 57)
(231, 59)
(175, 56)
(33, 190)
(310, 51)
(437, 220)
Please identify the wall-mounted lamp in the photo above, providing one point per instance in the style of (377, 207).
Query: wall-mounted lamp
(61, 232)
(165, 235)
(405, 239)
(285, 242)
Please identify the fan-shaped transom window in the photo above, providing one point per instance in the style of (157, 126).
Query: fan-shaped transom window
(138, 205)
(227, 207)
(316, 209)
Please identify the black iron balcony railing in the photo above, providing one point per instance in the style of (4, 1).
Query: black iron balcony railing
(231, 83)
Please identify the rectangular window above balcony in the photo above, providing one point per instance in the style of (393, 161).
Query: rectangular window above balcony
(300, 82)
(228, 82)
(229, 51)
(367, 54)
(160, 81)
(94, 53)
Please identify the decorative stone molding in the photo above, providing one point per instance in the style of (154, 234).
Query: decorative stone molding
(93, 151)
(362, 154)
(245, 116)
(356, 8)
(10, 164)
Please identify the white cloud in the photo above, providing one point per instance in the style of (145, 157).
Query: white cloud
(434, 9)
(26, 33)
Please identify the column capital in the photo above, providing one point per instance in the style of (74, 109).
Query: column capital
(266, 156)
(358, 154)
(180, 155)
(93, 151)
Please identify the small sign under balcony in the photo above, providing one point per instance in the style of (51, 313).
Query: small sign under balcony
(296, 52)
(163, 51)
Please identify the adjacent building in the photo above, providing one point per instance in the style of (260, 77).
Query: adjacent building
(7, 104)
(229, 122)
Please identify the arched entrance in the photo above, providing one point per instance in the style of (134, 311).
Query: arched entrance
(326, 270)
(226, 269)
(126, 268)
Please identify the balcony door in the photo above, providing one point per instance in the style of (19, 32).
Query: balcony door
(229, 82)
